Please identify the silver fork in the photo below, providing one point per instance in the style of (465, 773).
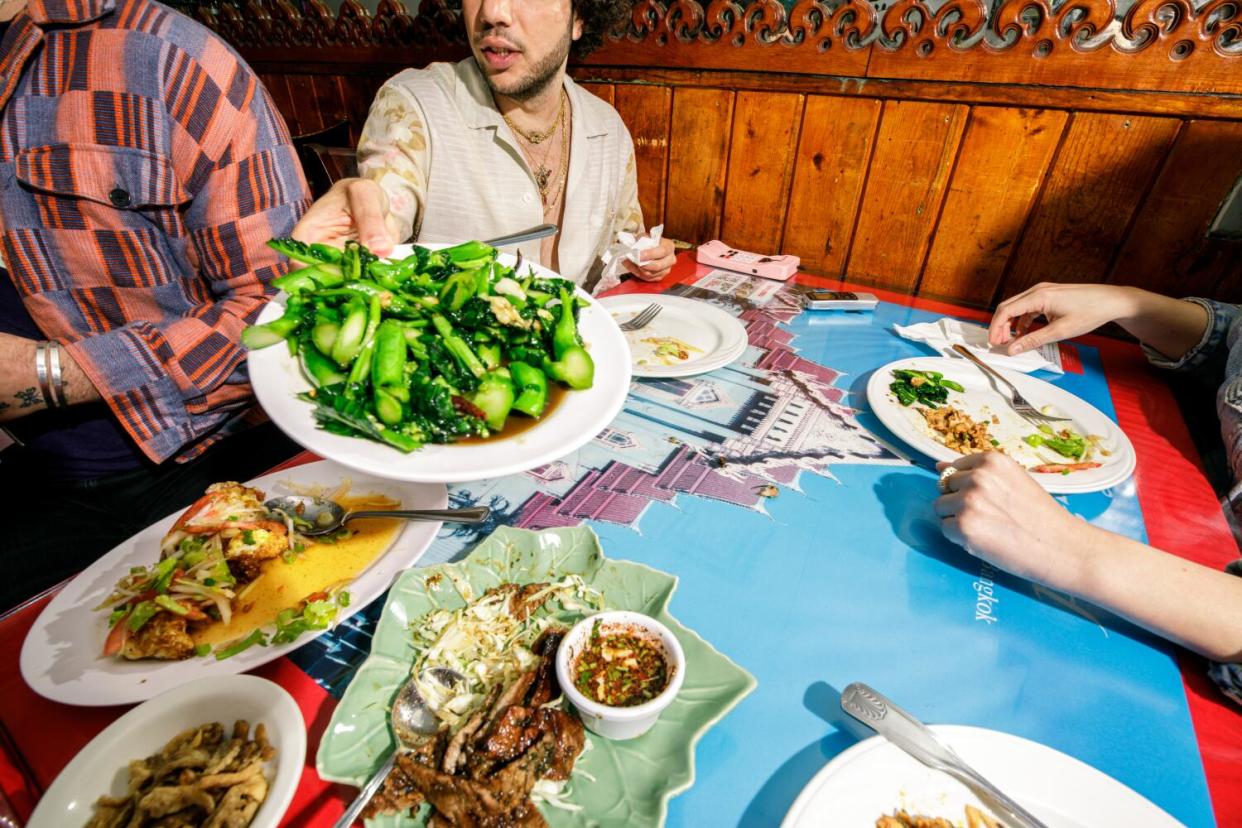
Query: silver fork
(643, 318)
(1016, 400)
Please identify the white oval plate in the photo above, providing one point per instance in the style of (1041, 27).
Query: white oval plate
(875, 777)
(100, 768)
(580, 415)
(61, 656)
(981, 400)
(720, 337)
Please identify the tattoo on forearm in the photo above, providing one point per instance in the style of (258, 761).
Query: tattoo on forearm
(4, 406)
(28, 397)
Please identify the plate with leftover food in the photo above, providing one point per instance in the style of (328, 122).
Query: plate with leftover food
(876, 783)
(946, 408)
(687, 337)
(222, 751)
(437, 365)
(222, 587)
(527, 588)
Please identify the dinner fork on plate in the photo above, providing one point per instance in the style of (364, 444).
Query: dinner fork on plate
(643, 318)
(1016, 401)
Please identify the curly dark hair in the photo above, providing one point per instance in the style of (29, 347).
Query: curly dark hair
(599, 17)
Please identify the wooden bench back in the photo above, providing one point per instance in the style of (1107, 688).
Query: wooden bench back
(949, 153)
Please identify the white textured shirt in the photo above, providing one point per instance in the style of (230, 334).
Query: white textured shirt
(450, 165)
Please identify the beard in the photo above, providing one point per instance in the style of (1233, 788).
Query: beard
(543, 73)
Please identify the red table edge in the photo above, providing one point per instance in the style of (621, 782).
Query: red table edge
(1161, 455)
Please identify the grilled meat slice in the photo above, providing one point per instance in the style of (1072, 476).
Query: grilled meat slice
(544, 686)
(468, 803)
(400, 791)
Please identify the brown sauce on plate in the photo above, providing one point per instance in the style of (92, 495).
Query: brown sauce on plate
(519, 423)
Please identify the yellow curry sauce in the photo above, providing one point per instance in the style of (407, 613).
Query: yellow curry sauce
(319, 567)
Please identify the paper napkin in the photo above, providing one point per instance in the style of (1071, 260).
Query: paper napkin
(943, 334)
(627, 246)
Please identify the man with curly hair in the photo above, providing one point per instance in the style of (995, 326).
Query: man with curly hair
(502, 141)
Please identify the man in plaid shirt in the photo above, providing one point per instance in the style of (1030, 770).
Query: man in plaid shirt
(142, 169)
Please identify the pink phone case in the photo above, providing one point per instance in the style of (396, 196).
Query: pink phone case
(718, 254)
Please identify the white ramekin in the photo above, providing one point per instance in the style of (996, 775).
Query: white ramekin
(620, 722)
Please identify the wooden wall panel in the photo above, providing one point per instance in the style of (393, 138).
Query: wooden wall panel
(303, 99)
(761, 155)
(603, 91)
(698, 152)
(906, 184)
(1168, 244)
(833, 154)
(1105, 166)
(1005, 154)
(646, 111)
(358, 91)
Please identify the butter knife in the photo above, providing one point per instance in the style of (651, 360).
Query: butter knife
(915, 738)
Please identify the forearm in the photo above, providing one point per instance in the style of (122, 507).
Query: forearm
(1192, 605)
(1170, 326)
(20, 394)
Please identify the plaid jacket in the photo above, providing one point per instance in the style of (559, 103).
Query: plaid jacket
(142, 168)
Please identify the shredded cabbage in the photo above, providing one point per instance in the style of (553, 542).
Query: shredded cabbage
(489, 645)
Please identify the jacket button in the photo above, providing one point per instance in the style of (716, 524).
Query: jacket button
(119, 198)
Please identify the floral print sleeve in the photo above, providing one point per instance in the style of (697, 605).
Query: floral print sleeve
(629, 215)
(392, 152)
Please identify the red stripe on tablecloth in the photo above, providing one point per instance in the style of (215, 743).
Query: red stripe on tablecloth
(1183, 516)
(316, 802)
(1071, 361)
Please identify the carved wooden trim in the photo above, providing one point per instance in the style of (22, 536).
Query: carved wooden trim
(809, 27)
(275, 24)
(960, 25)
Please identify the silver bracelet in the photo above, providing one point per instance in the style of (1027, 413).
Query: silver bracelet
(57, 379)
(41, 372)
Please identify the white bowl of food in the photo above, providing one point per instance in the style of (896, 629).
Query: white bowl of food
(248, 772)
(620, 670)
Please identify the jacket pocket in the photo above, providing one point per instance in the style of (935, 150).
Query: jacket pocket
(122, 177)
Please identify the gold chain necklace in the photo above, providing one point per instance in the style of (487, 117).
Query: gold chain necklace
(539, 167)
(536, 137)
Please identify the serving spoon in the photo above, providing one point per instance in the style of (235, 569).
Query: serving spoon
(326, 516)
(529, 234)
(411, 720)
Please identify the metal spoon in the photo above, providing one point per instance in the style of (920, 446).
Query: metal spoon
(411, 720)
(878, 712)
(325, 516)
(529, 234)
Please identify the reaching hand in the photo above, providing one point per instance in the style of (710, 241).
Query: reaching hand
(656, 262)
(996, 510)
(1071, 310)
(355, 208)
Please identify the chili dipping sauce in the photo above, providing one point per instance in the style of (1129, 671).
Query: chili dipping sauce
(620, 668)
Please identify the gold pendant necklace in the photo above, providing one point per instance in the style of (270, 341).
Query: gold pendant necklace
(539, 168)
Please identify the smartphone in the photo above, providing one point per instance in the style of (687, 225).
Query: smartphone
(838, 300)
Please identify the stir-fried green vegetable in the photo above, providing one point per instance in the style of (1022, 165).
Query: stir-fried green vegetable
(927, 387)
(1066, 443)
(436, 347)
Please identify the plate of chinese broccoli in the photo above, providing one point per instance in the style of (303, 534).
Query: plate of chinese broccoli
(438, 364)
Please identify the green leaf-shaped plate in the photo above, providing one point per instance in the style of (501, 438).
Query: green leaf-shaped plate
(633, 780)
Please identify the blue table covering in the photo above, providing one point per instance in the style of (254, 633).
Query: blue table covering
(807, 550)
